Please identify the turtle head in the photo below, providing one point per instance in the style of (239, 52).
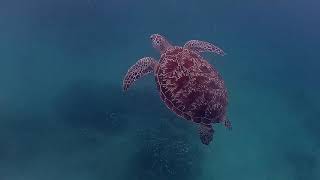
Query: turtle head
(159, 42)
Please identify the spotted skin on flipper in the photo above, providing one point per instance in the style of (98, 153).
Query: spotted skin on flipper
(143, 67)
(202, 46)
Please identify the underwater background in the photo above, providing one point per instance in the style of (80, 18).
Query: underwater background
(63, 114)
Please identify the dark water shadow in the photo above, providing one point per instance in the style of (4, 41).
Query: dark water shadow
(89, 104)
(305, 108)
(105, 107)
(304, 165)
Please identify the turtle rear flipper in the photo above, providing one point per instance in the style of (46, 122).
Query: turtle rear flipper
(206, 133)
(227, 124)
(141, 68)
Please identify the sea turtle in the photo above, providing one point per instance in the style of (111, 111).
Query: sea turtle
(187, 83)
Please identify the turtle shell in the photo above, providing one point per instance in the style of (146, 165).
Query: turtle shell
(190, 86)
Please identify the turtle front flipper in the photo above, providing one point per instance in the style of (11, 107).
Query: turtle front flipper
(202, 46)
(141, 68)
(206, 133)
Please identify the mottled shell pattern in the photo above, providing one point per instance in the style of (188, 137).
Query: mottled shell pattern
(190, 86)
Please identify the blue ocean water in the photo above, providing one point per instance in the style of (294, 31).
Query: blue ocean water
(63, 114)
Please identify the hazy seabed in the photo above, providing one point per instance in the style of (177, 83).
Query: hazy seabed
(63, 114)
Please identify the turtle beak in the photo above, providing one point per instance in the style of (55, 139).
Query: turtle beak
(152, 37)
